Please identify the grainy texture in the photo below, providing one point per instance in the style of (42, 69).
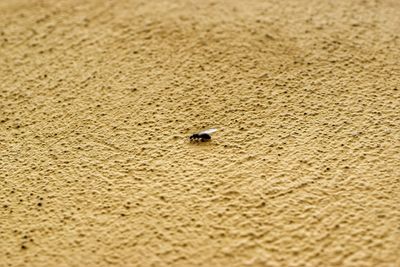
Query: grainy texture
(98, 100)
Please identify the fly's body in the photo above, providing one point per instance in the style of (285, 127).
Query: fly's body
(203, 136)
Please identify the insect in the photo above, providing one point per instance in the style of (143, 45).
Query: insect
(202, 136)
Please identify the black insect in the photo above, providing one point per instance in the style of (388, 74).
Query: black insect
(202, 136)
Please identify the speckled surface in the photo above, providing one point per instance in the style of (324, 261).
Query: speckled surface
(98, 99)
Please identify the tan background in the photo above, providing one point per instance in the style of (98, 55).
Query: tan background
(98, 99)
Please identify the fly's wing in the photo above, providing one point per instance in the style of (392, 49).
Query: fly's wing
(209, 131)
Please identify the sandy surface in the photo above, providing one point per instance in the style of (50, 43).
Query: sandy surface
(97, 100)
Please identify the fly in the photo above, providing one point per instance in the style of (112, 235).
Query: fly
(203, 136)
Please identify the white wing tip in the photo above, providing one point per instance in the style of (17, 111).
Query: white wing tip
(210, 131)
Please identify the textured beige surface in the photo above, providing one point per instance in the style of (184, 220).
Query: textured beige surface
(97, 100)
